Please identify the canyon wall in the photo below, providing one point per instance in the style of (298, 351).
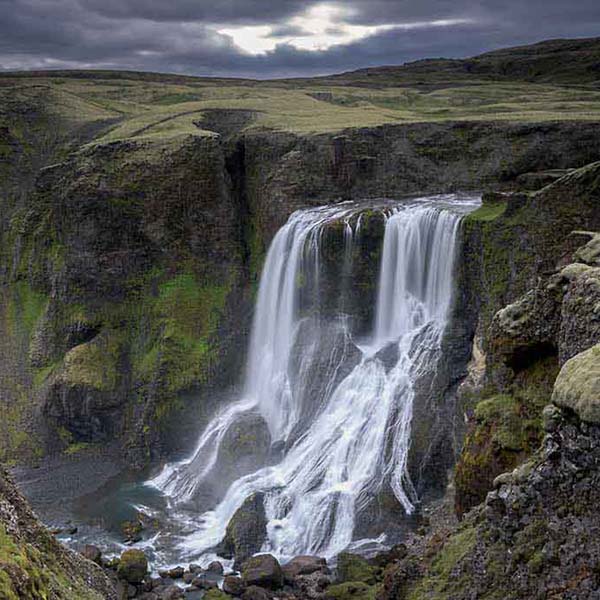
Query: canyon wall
(128, 268)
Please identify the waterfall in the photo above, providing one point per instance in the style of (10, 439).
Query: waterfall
(354, 438)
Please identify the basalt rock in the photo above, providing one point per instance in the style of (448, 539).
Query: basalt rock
(246, 531)
(264, 571)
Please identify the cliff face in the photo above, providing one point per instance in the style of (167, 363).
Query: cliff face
(512, 248)
(128, 267)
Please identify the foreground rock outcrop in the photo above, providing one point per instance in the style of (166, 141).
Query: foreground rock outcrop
(537, 534)
(533, 284)
(34, 565)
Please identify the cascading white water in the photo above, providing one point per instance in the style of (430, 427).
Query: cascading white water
(358, 438)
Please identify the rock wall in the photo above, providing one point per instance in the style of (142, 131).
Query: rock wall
(515, 243)
(128, 269)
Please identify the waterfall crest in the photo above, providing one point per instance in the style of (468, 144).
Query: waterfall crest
(355, 438)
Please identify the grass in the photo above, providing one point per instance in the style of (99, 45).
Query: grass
(158, 109)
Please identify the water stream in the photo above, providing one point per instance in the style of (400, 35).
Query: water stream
(344, 444)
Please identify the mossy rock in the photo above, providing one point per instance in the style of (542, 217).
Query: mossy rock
(577, 387)
(216, 595)
(351, 590)
(133, 566)
(352, 567)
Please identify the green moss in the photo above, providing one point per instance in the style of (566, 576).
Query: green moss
(488, 212)
(352, 567)
(351, 590)
(93, 364)
(25, 308)
(440, 580)
(28, 573)
(77, 448)
(216, 595)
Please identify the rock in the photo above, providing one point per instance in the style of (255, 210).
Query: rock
(246, 531)
(188, 577)
(133, 566)
(303, 565)
(348, 591)
(245, 447)
(255, 593)
(92, 553)
(551, 418)
(132, 531)
(233, 585)
(175, 573)
(396, 552)
(502, 479)
(204, 582)
(173, 592)
(215, 567)
(193, 568)
(264, 571)
(590, 253)
(216, 595)
(352, 567)
(577, 387)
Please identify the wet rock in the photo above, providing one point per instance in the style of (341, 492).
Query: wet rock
(92, 553)
(133, 566)
(256, 593)
(264, 571)
(303, 565)
(215, 567)
(244, 448)
(173, 592)
(233, 585)
(193, 568)
(132, 531)
(188, 577)
(175, 573)
(204, 582)
(246, 531)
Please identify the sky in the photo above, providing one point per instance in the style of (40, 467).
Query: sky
(273, 38)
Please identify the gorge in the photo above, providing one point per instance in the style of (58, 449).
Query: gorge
(231, 324)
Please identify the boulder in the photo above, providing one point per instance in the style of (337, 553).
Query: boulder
(174, 573)
(263, 570)
(215, 567)
(255, 593)
(234, 585)
(577, 387)
(246, 531)
(173, 592)
(245, 447)
(92, 553)
(204, 582)
(133, 566)
(303, 565)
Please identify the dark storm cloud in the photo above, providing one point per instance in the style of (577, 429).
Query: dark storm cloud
(183, 35)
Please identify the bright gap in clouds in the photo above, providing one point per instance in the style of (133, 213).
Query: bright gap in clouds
(319, 28)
